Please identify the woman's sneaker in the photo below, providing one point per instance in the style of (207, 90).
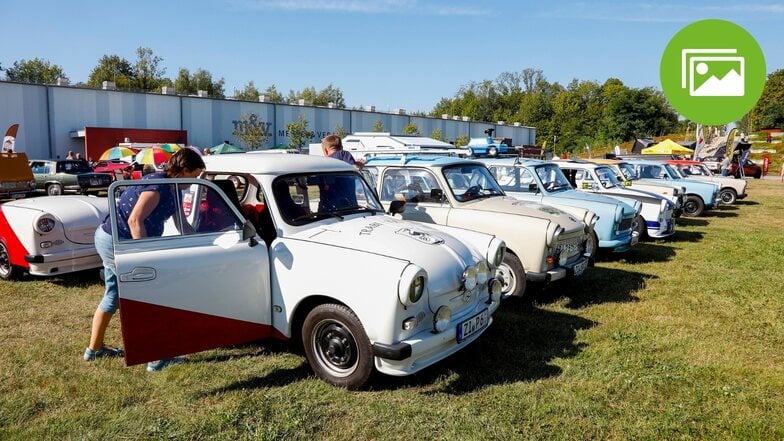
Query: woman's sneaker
(155, 366)
(104, 352)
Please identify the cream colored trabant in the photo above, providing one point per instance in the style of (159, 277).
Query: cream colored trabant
(299, 247)
(544, 243)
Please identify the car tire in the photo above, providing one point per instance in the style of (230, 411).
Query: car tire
(758, 174)
(54, 189)
(7, 270)
(728, 196)
(640, 227)
(693, 206)
(512, 275)
(337, 347)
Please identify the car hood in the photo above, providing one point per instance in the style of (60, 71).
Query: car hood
(588, 200)
(631, 193)
(511, 205)
(435, 251)
(79, 216)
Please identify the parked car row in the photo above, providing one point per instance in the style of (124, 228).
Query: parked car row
(391, 268)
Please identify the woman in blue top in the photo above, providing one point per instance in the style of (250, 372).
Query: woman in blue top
(141, 212)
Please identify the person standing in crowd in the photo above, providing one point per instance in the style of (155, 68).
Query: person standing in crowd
(141, 212)
(332, 147)
(725, 166)
(70, 155)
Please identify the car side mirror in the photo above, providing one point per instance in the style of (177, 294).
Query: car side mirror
(586, 186)
(533, 188)
(397, 207)
(627, 183)
(436, 193)
(249, 233)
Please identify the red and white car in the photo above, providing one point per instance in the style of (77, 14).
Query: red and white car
(49, 235)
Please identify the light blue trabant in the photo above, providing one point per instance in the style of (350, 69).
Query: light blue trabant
(543, 182)
(700, 196)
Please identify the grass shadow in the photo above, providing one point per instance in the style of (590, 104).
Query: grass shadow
(277, 378)
(262, 348)
(746, 202)
(598, 285)
(691, 222)
(721, 214)
(78, 279)
(686, 236)
(647, 252)
(519, 346)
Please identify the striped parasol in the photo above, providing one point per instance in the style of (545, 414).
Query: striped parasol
(171, 148)
(116, 153)
(152, 155)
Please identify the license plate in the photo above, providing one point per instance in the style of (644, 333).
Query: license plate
(472, 325)
(579, 268)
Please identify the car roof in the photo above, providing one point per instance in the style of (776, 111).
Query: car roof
(513, 161)
(422, 161)
(273, 164)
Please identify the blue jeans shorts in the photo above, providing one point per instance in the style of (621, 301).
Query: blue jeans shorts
(105, 247)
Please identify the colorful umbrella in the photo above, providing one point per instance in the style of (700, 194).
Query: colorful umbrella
(171, 148)
(152, 155)
(194, 148)
(116, 153)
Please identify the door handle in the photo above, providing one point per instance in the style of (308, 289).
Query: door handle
(139, 274)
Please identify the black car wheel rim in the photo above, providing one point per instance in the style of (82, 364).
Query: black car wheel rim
(335, 347)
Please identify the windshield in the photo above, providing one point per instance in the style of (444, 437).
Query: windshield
(73, 167)
(302, 199)
(607, 177)
(695, 170)
(553, 178)
(471, 181)
(628, 171)
(672, 171)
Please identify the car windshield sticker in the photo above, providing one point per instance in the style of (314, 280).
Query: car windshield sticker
(420, 236)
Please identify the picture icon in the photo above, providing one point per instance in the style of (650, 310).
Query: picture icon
(713, 72)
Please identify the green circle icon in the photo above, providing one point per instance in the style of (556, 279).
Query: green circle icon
(712, 72)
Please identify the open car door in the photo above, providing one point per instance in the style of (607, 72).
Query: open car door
(204, 283)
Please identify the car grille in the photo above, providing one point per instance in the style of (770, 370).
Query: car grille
(625, 224)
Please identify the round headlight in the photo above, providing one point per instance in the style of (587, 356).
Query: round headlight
(482, 272)
(44, 224)
(494, 288)
(412, 285)
(442, 319)
(469, 278)
(563, 257)
(416, 289)
(498, 256)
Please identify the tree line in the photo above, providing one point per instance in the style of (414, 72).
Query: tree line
(567, 117)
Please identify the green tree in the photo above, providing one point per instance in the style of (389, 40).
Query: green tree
(148, 69)
(273, 94)
(36, 70)
(340, 131)
(112, 68)
(248, 93)
(329, 94)
(411, 129)
(378, 126)
(462, 140)
(251, 132)
(299, 135)
(187, 83)
(436, 134)
(765, 112)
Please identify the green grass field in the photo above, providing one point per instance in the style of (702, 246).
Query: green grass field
(678, 339)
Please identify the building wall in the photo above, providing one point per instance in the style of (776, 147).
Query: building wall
(49, 115)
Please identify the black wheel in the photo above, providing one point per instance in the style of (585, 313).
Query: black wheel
(693, 206)
(337, 347)
(592, 244)
(54, 189)
(512, 276)
(640, 227)
(7, 270)
(728, 196)
(758, 174)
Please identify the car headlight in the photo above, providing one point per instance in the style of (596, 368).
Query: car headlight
(553, 231)
(663, 204)
(482, 272)
(618, 214)
(494, 288)
(496, 252)
(469, 278)
(44, 224)
(412, 285)
(442, 319)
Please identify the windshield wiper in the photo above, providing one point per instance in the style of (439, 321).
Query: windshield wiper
(317, 215)
(360, 209)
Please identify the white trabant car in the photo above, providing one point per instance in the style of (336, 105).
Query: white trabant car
(49, 235)
(544, 243)
(299, 247)
(656, 217)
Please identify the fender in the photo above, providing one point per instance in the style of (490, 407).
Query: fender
(16, 251)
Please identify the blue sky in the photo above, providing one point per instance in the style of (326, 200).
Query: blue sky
(388, 53)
